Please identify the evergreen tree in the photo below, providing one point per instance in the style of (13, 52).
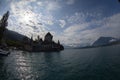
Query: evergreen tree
(3, 24)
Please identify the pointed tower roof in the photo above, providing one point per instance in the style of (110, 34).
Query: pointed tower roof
(49, 34)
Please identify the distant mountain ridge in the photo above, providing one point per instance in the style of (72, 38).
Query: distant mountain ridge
(100, 42)
(104, 41)
(12, 35)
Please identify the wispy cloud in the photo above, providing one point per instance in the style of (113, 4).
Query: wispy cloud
(70, 2)
(76, 28)
(62, 23)
(0, 16)
(83, 34)
(51, 6)
(76, 17)
(40, 3)
(23, 16)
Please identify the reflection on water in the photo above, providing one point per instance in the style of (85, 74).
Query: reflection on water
(30, 66)
(70, 64)
(19, 66)
(23, 67)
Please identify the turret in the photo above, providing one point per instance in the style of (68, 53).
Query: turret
(48, 37)
(58, 42)
(38, 37)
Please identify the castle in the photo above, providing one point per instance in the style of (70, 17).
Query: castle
(42, 45)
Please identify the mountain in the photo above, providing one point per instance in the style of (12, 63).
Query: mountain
(13, 38)
(100, 42)
(104, 41)
(12, 35)
(80, 45)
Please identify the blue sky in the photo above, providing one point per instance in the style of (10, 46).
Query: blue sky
(73, 22)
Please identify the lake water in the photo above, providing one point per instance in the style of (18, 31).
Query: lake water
(70, 64)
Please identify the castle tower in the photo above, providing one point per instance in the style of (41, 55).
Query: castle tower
(48, 37)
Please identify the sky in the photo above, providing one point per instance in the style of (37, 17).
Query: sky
(73, 22)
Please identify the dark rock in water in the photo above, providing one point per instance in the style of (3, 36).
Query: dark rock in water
(4, 52)
(103, 41)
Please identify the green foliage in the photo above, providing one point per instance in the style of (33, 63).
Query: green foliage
(14, 43)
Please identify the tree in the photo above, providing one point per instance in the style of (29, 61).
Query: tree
(3, 24)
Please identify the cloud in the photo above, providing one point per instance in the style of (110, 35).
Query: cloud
(77, 17)
(46, 19)
(83, 33)
(39, 3)
(70, 2)
(22, 15)
(62, 23)
(76, 28)
(0, 16)
(71, 34)
(109, 27)
(52, 6)
(48, 6)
